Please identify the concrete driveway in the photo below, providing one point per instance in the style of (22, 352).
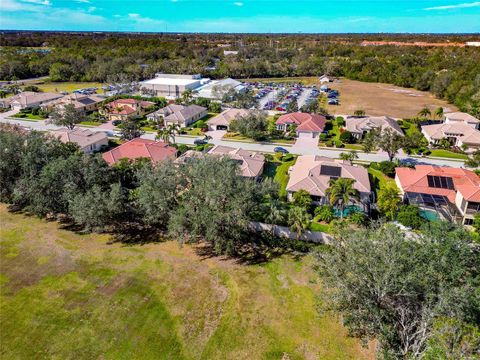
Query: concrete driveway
(216, 134)
(306, 142)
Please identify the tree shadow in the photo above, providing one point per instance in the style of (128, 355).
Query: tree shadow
(137, 234)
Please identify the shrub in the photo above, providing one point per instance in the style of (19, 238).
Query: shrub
(358, 218)
(409, 215)
(339, 144)
(323, 137)
(288, 157)
(324, 213)
(388, 168)
(340, 121)
(329, 143)
(346, 137)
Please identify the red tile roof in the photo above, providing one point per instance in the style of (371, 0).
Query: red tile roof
(124, 106)
(304, 121)
(464, 181)
(140, 148)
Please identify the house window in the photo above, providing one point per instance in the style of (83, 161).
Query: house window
(468, 222)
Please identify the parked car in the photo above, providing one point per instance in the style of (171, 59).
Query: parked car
(280, 150)
(200, 141)
(333, 102)
(116, 122)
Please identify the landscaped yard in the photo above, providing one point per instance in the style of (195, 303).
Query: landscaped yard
(278, 170)
(380, 180)
(448, 154)
(29, 116)
(71, 296)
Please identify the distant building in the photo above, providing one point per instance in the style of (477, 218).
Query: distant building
(222, 121)
(140, 148)
(307, 125)
(88, 141)
(473, 43)
(216, 89)
(458, 128)
(29, 99)
(173, 85)
(123, 109)
(359, 126)
(165, 111)
(325, 79)
(313, 173)
(452, 193)
(186, 116)
(230, 52)
(85, 103)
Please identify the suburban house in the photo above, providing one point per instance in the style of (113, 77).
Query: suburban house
(140, 148)
(186, 116)
(359, 126)
(458, 133)
(123, 109)
(450, 193)
(461, 117)
(222, 121)
(313, 173)
(307, 125)
(251, 163)
(85, 103)
(172, 85)
(30, 99)
(188, 156)
(164, 112)
(88, 141)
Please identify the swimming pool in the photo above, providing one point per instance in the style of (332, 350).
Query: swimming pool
(429, 215)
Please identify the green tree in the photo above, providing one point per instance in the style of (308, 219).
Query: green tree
(425, 112)
(390, 142)
(253, 125)
(388, 201)
(302, 198)
(292, 106)
(476, 222)
(369, 141)
(299, 220)
(130, 129)
(359, 113)
(349, 156)
(67, 116)
(392, 289)
(325, 213)
(409, 215)
(439, 113)
(341, 192)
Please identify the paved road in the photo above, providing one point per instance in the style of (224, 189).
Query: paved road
(296, 149)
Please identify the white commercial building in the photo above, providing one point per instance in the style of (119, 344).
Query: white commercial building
(173, 85)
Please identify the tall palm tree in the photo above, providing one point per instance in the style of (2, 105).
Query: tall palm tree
(342, 192)
(173, 129)
(164, 135)
(425, 112)
(275, 214)
(439, 113)
(299, 220)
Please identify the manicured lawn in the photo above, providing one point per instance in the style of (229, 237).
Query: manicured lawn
(316, 226)
(29, 116)
(278, 170)
(448, 154)
(71, 296)
(379, 180)
(68, 86)
(91, 123)
(354, 147)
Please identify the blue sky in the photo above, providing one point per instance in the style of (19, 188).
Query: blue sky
(243, 15)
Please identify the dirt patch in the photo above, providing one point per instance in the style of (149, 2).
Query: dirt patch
(383, 99)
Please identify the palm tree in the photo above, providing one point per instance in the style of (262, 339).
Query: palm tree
(359, 113)
(275, 214)
(425, 112)
(164, 135)
(299, 220)
(349, 156)
(173, 129)
(439, 112)
(341, 192)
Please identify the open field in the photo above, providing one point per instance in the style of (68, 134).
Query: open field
(71, 296)
(69, 87)
(373, 98)
(383, 99)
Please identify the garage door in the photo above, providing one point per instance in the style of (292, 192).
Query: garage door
(305, 135)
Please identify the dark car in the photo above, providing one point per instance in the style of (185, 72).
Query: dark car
(280, 150)
(200, 141)
(333, 102)
(116, 122)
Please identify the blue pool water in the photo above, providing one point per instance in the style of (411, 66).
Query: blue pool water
(429, 215)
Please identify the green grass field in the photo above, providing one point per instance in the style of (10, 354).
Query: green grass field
(68, 86)
(448, 154)
(71, 296)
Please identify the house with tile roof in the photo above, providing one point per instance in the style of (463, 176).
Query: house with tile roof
(455, 117)
(123, 109)
(359, 126)
(88, 141)
(165, 111)
(307, 125)
(251, 162)
(222, 121)
(140, 148)
(458, 133)
(453, 193)
(313, 173)
(29, 99)
(186, 116)
(81, 102)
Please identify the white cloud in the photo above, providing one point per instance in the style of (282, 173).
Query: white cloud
(91, 9)
(238, 3)
(14, 5)
(39, 2)
(134, 16)
(456, 6)
(83, 1)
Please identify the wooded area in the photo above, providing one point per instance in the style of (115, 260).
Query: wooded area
(450, 73)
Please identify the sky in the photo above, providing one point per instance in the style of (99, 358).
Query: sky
(264, 16)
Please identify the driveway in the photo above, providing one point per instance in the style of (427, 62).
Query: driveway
(306, 142)
(216, 134)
